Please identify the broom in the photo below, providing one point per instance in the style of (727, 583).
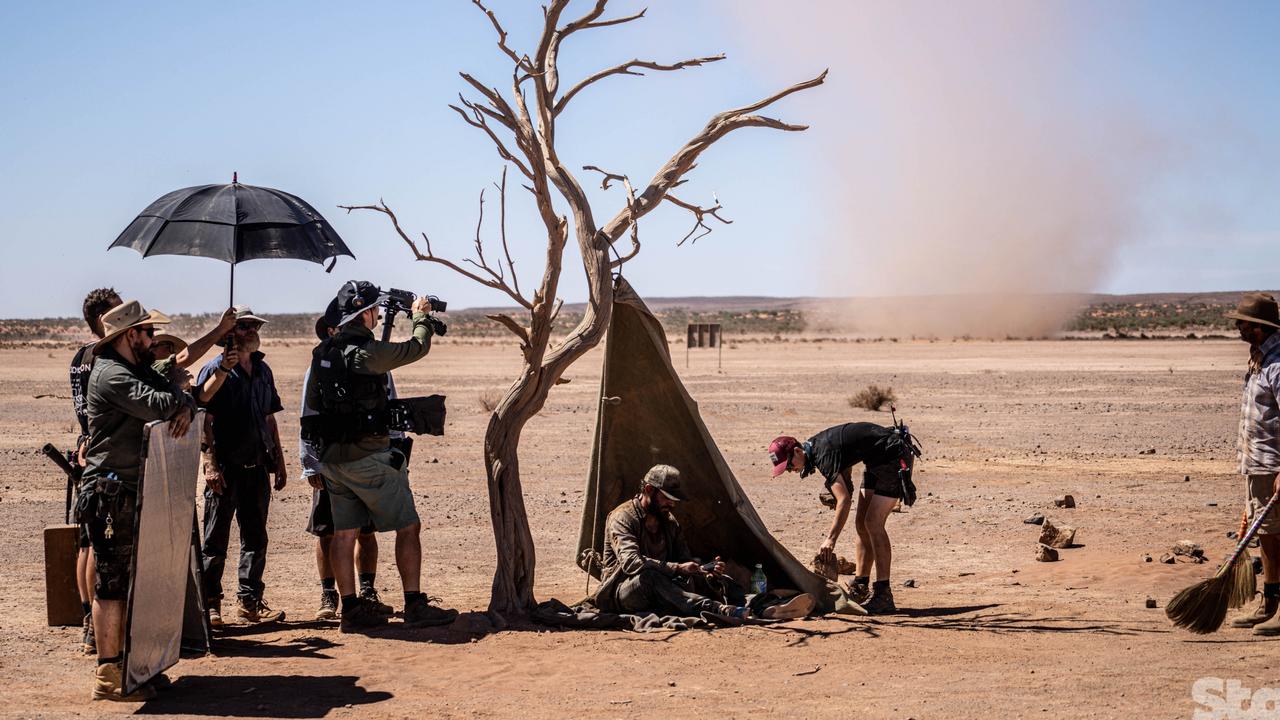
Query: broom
(1202, 607)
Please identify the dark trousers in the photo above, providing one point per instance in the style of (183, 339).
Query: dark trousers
(245, 497)
(651, 591)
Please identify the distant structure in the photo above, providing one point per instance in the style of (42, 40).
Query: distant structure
(704, 335)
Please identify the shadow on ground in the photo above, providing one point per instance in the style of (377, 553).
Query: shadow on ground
(277, 696)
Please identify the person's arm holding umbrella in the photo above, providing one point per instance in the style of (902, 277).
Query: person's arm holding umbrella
(197, 349)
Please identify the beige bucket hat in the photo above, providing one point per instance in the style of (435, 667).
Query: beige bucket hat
(126, 315)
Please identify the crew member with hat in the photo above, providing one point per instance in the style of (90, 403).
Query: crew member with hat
(833, 453)
(367, 478)
(241, 450)
(1258, 445)
(124, 394)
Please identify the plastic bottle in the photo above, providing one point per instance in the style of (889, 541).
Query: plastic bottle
(759, 583)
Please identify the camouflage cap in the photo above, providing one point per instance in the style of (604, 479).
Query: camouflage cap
(666, 479)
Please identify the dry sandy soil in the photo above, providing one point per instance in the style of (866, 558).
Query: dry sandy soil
(987, 632)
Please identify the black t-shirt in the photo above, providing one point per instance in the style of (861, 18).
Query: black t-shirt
(839, 448)
(81, 366)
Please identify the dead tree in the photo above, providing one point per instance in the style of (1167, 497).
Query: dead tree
(521, 124)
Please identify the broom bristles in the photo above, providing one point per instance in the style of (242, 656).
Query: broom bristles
(1202, 607)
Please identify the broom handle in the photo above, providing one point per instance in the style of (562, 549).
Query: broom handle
(1253, 530)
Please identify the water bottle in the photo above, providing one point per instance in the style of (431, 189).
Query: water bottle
(759, 583)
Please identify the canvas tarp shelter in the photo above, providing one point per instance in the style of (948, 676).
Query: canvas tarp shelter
(163, 599)
(654, 420)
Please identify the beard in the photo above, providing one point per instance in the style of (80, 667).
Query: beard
(145, 356)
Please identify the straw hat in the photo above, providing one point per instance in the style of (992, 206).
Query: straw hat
(1257, 307)
(124, 316)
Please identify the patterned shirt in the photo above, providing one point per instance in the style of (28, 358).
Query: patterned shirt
(1259, 438)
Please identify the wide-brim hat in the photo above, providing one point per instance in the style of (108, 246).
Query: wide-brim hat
(1257, 307)
(243, 312)
(178, 343)
(124, 316)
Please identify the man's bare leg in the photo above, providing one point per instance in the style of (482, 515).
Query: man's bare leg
(108, 623)
(409, 557)
(878, 509)
(367, 553)
(342, 560)
(865, 556)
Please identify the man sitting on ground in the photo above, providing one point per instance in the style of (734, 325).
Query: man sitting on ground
(648, 565)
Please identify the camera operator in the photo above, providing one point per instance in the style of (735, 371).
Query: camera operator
(367, 479)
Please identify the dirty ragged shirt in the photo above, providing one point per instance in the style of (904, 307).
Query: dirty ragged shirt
(630, 548)
(1258, 445)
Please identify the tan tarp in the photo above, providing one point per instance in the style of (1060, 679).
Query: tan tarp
(654, 420)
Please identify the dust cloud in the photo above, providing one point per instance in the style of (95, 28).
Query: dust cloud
(973, 175)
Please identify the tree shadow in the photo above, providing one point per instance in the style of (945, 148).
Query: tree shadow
(310, 647)
(943, 611)
(277, 696)
(1012, 623)
(241, 630)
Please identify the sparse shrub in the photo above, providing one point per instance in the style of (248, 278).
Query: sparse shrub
(872, 397)
(490, 399)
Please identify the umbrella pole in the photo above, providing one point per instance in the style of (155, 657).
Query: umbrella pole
(232, 300)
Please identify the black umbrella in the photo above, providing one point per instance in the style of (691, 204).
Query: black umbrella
(233, 223)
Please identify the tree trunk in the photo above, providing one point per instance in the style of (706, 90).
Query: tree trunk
(513, 575)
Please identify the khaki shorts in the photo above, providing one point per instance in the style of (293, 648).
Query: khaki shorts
(1258, 490)
(370, 490)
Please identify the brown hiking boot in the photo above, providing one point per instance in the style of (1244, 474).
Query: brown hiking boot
(255, 611)
(858, 592)
(419, 612)
(1265, 611)
(1270, 627)
(215, 614)
(361, 616)
(107, 685)
(881, 603)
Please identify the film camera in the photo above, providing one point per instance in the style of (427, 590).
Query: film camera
(401, 301)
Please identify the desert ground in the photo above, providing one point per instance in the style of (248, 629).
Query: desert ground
(1141, 433)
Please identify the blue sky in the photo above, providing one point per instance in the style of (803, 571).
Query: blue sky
(108, 106)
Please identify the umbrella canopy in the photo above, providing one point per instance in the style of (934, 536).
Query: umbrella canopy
(233, 223)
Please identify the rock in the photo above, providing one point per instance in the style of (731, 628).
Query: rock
(1167, 559)
(1186, 478)
(1233, 535)
(1211, 504)
(1146, 558)
(1057, 537)
(1066, 501)
(909, 583)
(1036, 519)
(1151, 602)
(1187, 551)
(1044, 553)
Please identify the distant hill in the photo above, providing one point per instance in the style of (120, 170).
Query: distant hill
(1114, 315)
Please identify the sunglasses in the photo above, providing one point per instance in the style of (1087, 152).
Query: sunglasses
(248, 325)
(149, 331)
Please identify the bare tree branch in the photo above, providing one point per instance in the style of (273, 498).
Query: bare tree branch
(672, 173)
(629, 68)
(502, 35)
(609, 179)
(429, 256)
(699, 214)
(509, 323)
(502, 230)
(476, 119)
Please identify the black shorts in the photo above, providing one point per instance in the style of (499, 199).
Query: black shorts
(82, 530)
(113, 556)
(320, 523)
(885, 480)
